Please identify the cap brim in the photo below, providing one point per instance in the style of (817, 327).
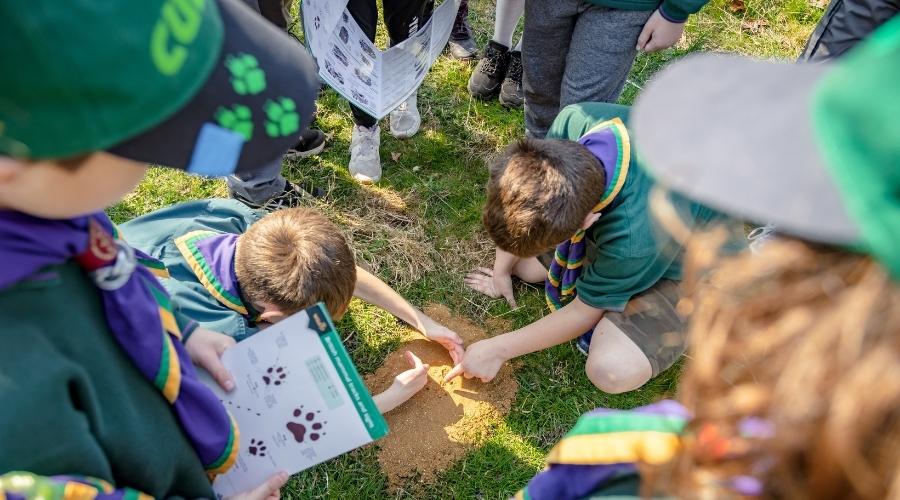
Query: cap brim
(736, 135)
(237, 126)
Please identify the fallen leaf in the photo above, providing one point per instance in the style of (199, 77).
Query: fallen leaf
(819, 4)
(395, 155)
(416, 168)
(754, 25)
(736, 6)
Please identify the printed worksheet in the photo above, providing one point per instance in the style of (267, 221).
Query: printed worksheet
(376, 81)
(298, 400)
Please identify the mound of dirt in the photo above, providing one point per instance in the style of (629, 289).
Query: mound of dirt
(441, 423)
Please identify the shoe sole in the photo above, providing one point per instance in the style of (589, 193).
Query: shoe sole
(485, 96)
(364, 179)
(516, 104)
(305, 154)
(470, 57)
(405, 135)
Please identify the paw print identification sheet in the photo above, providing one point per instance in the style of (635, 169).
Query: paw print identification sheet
(375, 80)
(298, 400)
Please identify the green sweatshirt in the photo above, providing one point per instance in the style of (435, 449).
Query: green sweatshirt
(74, 404)
(673, 10)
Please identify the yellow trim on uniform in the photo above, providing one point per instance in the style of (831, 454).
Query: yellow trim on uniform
(173, 382)
(169, 323)
(197, 269)
(650, 447)
(79, 491)
(624, 164)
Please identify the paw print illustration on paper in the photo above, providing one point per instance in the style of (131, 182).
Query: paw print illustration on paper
(308, 426)
(275, 375)
(237, 119)
(257, 448)
(281, 117)
(246, 75)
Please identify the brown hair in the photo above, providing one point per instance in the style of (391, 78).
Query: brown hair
(294, 258)
(539, 193)
(807, 340)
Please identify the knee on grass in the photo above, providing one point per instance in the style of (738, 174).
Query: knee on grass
(616, 375)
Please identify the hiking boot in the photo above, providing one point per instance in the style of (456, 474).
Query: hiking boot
(405, 120)
(311, 142)
(365, 165)
(463, 49)
(293, 195)
(489, 73)
(511, 93)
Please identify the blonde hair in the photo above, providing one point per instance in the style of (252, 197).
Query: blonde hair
(805, 338)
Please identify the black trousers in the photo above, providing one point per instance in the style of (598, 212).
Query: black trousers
(402, 19)
(844, 24)
(276, 12)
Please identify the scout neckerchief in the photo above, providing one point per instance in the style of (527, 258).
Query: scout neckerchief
(606, 445)
(609, 142)
(210, 255)
(138, 313)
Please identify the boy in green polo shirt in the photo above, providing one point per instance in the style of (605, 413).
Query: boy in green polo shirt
(100, 396)
(583, 187)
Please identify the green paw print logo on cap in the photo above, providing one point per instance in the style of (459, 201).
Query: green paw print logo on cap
(281, 117)
(246, 75)
(236, 118)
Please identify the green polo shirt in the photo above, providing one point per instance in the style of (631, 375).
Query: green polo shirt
(673, 10)
(632, 252)
(155, 234)
(73, 402)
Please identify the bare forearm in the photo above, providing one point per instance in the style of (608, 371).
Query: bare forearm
(557, 327)
(504, 262)
(386, 401)
(376, 292)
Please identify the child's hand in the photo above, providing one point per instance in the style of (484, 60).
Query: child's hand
(659, 33)
(205, 348)
(270, 489)
(481, 360)
(491, 283)
(439, 333)
(405, 385)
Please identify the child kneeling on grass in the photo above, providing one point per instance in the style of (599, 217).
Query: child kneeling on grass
(793, 386)
(234, 270)
(613, 276)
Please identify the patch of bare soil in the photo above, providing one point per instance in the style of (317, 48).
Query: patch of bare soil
(443, 422)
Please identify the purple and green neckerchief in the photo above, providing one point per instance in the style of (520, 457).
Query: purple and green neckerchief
(607, 444)
(138, 313)
(609, 142)
(210, 255)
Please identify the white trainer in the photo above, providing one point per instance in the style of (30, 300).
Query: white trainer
(365, 164)
(405, 120)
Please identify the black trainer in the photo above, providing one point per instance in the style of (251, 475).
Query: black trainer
(490, 72)
(292, 196)
(311, 142)
(511, 93)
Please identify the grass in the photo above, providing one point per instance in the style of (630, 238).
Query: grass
(419, 229)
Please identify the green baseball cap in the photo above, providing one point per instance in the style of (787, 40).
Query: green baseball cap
(812, 148)
(206, 86)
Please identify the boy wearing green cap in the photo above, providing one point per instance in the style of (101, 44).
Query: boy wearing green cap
(102, 395)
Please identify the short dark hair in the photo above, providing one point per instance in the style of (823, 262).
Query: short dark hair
(294, 258)
(539, 192)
